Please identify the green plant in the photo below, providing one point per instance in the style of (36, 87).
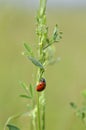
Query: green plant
(43, 57)
(80, 111)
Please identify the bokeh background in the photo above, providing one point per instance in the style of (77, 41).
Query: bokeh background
(65, 80)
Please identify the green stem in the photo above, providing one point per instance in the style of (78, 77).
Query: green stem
(43, 114)
(38, 107)
(41, 55)
(33, 120)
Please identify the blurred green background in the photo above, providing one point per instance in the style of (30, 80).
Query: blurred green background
(65, 80)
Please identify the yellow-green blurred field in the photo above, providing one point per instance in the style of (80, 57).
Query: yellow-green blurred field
(65, 80)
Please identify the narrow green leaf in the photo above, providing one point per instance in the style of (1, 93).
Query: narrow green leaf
(28, 90)
(56, 36)
(55, 33)
(36, 62)
(12, 127)
(55, 30)
(24, 86)
(31, 89)
(28, 48)
(42, 7)
(25, 96)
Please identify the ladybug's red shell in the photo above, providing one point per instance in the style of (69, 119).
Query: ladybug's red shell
(41, 86)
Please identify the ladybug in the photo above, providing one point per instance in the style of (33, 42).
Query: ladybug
(41, 86)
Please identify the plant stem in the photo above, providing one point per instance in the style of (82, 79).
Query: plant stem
(38, 108)
(41, 30)
(43, 113)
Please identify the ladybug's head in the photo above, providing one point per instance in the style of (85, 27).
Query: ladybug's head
(43, 80)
